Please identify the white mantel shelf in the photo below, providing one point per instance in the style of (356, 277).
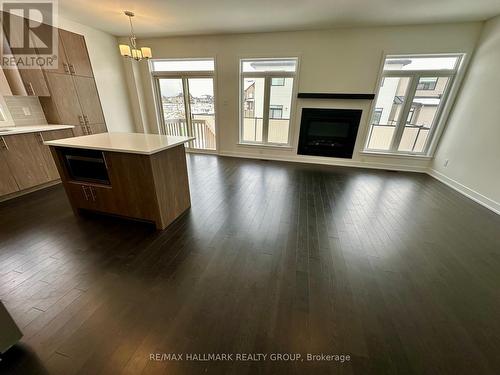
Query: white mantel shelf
(133, 143)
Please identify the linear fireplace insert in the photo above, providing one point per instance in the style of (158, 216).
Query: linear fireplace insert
(328, 132)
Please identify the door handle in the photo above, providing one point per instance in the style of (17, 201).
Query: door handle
(89, 129)
(71, 69)
(66, 69)
(86, 120)
(80, 120)
(4, 144)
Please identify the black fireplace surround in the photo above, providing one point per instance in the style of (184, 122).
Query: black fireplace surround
(328, 132)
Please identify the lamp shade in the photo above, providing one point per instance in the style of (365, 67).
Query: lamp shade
(125, 50)
(136, 54)
(146, 52)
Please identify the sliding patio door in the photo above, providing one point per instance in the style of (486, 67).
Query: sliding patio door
(188, 109)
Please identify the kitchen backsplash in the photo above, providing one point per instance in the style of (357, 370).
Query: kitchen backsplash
(25, 110)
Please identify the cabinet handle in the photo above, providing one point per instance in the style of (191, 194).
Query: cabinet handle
(66, 69)
(85, 119)
(89, 130)
(4, 144)
(29, 89)
(71, 69)
(84, 188)
(80, 120)
(93, 193)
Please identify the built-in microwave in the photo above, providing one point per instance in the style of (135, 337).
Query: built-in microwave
(86, 165)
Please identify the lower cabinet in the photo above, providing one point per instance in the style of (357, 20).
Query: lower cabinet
(25, 162)
(8, 184)
(49, 163)
(92, 197)
(24, 154)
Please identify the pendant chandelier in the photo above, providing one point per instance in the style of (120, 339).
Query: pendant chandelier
(131, 50)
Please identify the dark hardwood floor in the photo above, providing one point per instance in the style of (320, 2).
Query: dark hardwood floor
(396, 270)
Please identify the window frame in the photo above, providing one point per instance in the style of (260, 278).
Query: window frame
(267, 75)
(184, 75)
(454, 76)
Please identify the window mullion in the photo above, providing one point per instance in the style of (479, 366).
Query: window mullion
(187, 106)
(400, 127)
(265, 114)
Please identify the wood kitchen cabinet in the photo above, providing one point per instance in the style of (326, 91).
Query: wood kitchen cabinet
(89, 100)
(76, 53)
(32, 78)
(7, 182)
(64, 98)
(24, 154)
(74, 97)
(49, 163)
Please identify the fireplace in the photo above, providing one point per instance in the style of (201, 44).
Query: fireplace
(328, 132)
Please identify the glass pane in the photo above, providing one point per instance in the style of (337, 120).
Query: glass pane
(422, 114)
(272, 65)
(253, 109)
(200, 65)
(421, 63)
(174, 112)
(390, 102)
(201, 98)
(280, 103)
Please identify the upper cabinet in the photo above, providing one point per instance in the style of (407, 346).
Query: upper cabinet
(76, 55)
(33, 80)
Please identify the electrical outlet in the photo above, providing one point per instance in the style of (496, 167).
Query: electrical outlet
(446, 162)
(27, 111)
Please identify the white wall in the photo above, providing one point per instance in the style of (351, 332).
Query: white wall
(471, 141)
(338, 60)
(109, 75)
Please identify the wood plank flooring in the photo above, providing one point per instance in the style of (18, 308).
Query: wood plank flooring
(396, 270)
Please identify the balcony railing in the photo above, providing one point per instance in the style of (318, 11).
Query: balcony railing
(202, 129)
(413, 139)
(277, 131)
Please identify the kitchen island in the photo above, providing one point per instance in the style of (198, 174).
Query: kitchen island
(139, 176)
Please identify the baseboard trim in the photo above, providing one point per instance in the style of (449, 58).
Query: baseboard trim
(464, 190)
(30, 190)
(328, 161)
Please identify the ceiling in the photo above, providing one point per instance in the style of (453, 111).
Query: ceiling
(187, 17)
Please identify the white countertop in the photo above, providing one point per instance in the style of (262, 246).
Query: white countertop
(21, 129)
(133, 143)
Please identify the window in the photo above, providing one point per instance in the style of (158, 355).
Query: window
(410, 100)
(276, 111)
(186, 100)
(277, 82)
(377, 115)
(427, 83)
(267, 86)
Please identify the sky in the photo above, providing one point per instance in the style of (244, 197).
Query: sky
(197, 86)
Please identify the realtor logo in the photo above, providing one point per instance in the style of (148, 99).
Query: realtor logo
(29, 35)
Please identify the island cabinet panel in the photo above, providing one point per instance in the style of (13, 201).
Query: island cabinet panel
(24, 154)
(173, 196)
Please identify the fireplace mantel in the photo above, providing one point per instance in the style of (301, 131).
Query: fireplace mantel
(319, 95)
